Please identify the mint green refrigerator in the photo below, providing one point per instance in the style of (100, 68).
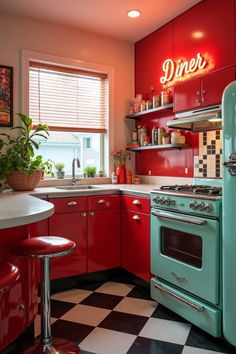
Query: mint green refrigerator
(229, 214)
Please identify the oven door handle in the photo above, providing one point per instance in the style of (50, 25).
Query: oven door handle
(177, 297)
(178, 218)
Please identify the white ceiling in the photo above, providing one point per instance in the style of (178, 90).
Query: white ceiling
(104, 17)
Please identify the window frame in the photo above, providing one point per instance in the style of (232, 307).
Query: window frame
(77, 64)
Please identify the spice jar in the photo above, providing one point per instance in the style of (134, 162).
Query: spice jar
(154, 136)
(156, 101)
(136, 180)
(114, 179)
(134, 135)
(160, 133)
(166, 97)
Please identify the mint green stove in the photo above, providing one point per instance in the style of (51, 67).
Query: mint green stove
(186, 253)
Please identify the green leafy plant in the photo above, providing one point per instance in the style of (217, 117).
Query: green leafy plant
(100, 173)
(90, 171)
(165, 135)
(17, 151)
(59, 166)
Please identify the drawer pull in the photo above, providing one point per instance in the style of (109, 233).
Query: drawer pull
(136, 217)
(83, 214)
(73, 203)
(91, 213)
(136, 202)
(177, 297)
(101, 201)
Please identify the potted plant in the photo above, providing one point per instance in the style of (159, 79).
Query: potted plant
(165, 138)
(120, 157)
(19, 165)
(59, 167)
(100, 173)
(90, 171)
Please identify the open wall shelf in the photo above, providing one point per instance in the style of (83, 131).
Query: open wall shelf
(137, 116)
(158, 147)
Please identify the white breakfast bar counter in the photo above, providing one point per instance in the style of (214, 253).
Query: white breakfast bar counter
(18, 209)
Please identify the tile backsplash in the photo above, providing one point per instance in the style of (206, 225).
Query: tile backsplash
(209, 161)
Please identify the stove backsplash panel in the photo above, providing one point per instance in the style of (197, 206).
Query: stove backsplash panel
(209, 161)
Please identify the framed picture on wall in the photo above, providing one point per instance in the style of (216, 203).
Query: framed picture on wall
(6, 96)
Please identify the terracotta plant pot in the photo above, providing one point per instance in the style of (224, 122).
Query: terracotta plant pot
(20, 181)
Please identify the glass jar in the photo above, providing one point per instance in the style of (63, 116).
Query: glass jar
(166, 97)
(114, 178)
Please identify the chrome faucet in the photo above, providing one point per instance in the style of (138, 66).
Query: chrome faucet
(77, 161)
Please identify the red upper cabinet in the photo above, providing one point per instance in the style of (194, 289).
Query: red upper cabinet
(150, 53)
(214, 84)
(202, 91)
(207, 28)
(187, 95)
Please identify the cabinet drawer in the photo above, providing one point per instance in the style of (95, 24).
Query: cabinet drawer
(99, 202)
(69, 204)
(192, 309)
(135, 203)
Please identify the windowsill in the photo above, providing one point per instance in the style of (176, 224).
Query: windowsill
(51, 182)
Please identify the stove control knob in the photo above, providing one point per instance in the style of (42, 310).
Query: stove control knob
(193, 205)
(162, 200)
(208, 207)
(156, 199)
(201, 206)
(173, 202)
(167, 201)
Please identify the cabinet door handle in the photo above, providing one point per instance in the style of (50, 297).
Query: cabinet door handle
(101, 201)
(136, 217)
(136, 202)
(73, 203)
(83, 214)
(91, 213)
(198, 96)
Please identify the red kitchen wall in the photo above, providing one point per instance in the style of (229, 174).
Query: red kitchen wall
(207, 28)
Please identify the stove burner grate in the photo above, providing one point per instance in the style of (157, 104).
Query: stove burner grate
(195, 189)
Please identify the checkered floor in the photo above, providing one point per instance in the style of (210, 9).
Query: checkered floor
(118, 318)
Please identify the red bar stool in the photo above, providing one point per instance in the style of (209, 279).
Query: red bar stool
(44, 248)
(9, 273)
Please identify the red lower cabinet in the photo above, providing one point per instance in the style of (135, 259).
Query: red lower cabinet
(135, 242)
(93, 223)
(18, 303)
(71, 224)
(103, 239)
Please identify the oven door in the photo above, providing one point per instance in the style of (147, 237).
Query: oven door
(185, 252)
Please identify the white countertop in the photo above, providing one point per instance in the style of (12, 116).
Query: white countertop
(20, 209)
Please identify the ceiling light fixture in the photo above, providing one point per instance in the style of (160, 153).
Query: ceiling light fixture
(133, 13)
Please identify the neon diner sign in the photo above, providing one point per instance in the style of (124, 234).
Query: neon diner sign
(175, 71)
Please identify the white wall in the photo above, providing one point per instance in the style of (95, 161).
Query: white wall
(17, 33)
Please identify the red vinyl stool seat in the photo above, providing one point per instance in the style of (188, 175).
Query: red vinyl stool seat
(39, 247)
(9, 273)
(44, 248)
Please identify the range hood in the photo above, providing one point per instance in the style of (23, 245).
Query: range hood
(198, 120)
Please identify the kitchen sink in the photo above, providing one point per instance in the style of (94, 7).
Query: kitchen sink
(75, 188)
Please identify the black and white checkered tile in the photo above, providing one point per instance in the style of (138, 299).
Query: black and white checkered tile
(118, 318)
(209, 161)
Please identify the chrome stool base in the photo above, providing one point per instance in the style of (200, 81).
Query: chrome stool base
(59, 346)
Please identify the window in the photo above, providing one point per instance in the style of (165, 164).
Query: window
(74, 104)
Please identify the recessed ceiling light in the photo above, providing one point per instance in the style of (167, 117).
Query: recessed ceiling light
(133, 13)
